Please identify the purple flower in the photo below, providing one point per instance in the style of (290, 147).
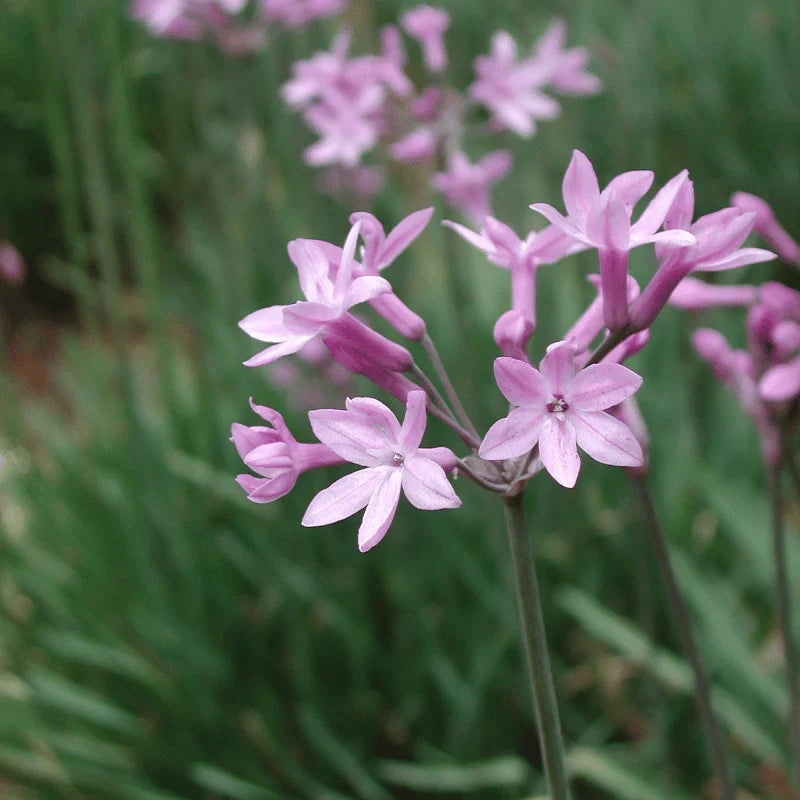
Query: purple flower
(185, 19)
(717, 247)
(427, 25)
(692, 294)
(296, 13)
(562, 409)
(521, 257)
(511, 89)
(275, 455)
(328, 297)
(368, 434)
(343, 98)
(12, 267)
(603, 220)
(767, 226)
(736, 370)
(466, 185)
(564, 70)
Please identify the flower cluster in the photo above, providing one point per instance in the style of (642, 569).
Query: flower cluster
(765, 377)
(224, 20)
(355, 103)
(581, 395)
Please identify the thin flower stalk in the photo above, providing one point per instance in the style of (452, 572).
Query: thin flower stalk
(718, 751)
(536, 651)
(784, 611)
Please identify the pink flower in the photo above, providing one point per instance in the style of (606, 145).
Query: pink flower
(521, 257)
(564, 70)
(511, 89)
(343, 98)
(296, 13)
(12, 267)
(466, 185)
(767, 226)
(275, 455)
(427, 24)
(603, 220)
(185, 19)
(562, 409)
(368, 434)
(718, 246)
(692, 294)
(328, 297)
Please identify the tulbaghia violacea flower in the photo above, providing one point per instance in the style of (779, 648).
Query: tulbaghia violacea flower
(275, 455)
(768, 227)
(428, 24)
(369, 434)
(693, 294)
(561, 409)
(564, 70)
(466, 185)
(511, 89)
(521, 257)
(736, 370)
(328, 298)
(718, 246)
(12, 267)
(296, 13)
(603, 220)
(342, 97)
(185, 19)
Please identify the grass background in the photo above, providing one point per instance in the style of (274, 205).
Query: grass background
(162, 638)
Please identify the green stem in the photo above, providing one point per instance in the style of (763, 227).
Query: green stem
(783, 602)
(702, 686)
(535, 640)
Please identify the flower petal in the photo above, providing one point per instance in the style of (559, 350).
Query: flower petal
(653, 216)
(343, 498)
(402, 235)
(378, 414)
(558, 367)
(601, 386)
(426, 486)
(354, 438)
(312, 266)
(380, 510)
(513, 435)
(308, 318)
(365, 288)
(558, 450)
(555, 217)
(520, 383)
(267, 325)
(606, 439)
(580, 187)
(278, 351)
(414, 423)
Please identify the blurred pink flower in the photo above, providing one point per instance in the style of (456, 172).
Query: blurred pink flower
(561, 409)
(466, 185)
(768, 227)
(369, 434)
(12, 267)
(427, 24)
(511, 89)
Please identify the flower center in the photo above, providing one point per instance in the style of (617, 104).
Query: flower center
(557, 404)
(397, 458)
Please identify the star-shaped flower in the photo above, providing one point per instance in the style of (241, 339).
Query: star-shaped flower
(328, 298)
(562, 409)
(368, 434)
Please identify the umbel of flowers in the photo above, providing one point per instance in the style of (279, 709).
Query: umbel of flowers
(578, 399)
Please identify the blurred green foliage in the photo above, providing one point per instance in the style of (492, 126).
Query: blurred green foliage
(162, 638)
